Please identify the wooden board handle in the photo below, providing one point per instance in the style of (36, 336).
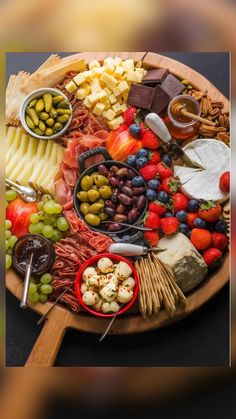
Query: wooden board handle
(49, 341)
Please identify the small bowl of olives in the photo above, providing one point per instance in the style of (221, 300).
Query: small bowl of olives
(109, 191)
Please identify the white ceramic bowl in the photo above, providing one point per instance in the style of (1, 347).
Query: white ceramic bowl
(36, 94)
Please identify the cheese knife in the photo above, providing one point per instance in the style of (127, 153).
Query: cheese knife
(127, 249)
(159, 128)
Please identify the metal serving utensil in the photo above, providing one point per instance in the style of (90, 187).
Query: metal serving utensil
(109, 325)
(128, 225)
(27, 193)
(52, 306)
(127, 249)
(23, 303)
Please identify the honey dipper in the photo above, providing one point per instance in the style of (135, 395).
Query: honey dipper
(178, 110)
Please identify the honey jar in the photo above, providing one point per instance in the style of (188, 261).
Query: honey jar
(181, 127)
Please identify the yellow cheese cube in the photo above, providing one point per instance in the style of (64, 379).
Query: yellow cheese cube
(117, 108)
(103, 95)
(93, 98)
(112, 99)
(87, 103)
(128, 65)
(118, 72)
(110, 81)
(107, 104)
(141, 71)
(79, 79)
(99, 108)
(125, 95)
(123, 107)
(87, 88)
(94, 63)
(131, 76)
(109, 68)
(117, 61)
(123, 86)
(117, 91)
(81, 94)
(115, 123)
(110, 115)
(96, 71)
(87, 75)
(71, 87)
(107, 90)
(95, 85)
(108, 61)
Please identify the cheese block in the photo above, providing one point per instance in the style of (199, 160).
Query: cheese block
(183, 260)
(214, 157)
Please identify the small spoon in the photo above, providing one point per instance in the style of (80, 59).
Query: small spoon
(110, 324)
(27, 193)
(23, 303)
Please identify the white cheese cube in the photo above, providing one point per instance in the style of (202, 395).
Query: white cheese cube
(99, 108)
(115, 123)
(128, 65)
(93, 98)
(118, 72)
(117, 61)
(95, 85)
(71, 87)
(124, 107)
(81, 94)
(109, 69)
(102, 96)
(107, 104)
(131, 76)
(141, 71)
(109, 61)
(87, 88)
(87, 75)
(117, 108)
(79, 79)
(112, 99)
(123, 86)
(117, 91)
(87, 103)
(96, 71)
(94, 63)
(110, 115)
(109, 80)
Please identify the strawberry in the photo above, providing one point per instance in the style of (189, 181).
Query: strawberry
(219, 241)
(148, 172)
(180, 202)
(209, 211)
(191, 217)
(152, 220)
(157, 207)
(144, 129)
(164, 171)
(154, 157)
(212, 257)
(150, 140)
(224, 183)
(129, 115)
(201, 238)
(152, 237)
(169, 225)
(170, 185)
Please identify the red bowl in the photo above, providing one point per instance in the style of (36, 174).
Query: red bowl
(91, 262)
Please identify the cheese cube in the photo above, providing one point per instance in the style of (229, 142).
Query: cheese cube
(117, 61)
(94, 63)
(96, 71)
(81, 94)
(139, 78)
(99, 108)
(123, 86)
(132, 76)
(128, 65)
(79, 79)
(118, 72)
(71, 87)
(112, 99)
(107, 104)
(117, 108)
(93, 98)
(123, 107)
(117, 91)
(110, 81)
(115, 123)
(125, 95)
(109, 61)
(87, 103)
(141, 71)
(107, 90)
(103, 95)
(87, 75)
(110, 115)
(95, 85)
(87, 87)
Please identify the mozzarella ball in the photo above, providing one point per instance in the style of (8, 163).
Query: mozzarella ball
(93, 281)
(88, 272)
(112, 278)
(124, 294)
(83, 288)
(109, 292)
(129, 283)
(103, 280)
(105, 265)
(90, 298)
(98, 305)
(112, 307)
(123, 271)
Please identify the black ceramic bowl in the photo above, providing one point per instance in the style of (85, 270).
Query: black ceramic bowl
(94, 168)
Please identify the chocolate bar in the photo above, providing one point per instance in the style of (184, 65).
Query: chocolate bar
(141, 96)
(172, 86)
(157, 75)
(160, 100)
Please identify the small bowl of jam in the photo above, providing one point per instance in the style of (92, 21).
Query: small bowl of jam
(43, 254)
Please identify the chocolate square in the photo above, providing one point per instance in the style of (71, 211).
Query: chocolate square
(140, 96)
(172, 86)
(160, 100)
(156, 75)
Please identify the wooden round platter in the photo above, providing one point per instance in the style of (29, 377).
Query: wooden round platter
(60, 319)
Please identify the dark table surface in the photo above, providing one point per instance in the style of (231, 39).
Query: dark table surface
(202, 339)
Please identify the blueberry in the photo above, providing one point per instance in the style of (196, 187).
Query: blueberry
(163, 197)
(168, 214)
(193, 205)
(221, 226)
(181, 215)
(141, 161)
(151, 195)
(135, 130)
(137, 181)
(166, 159)
(154, 184)
(131, 160)
(183, 228)
(143, 152)
(199, 223)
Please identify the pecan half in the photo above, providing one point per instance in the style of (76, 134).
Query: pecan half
(223, 136)
(217, 104)
(224, 121)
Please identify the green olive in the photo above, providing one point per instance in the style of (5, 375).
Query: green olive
(83, 196)
(101, 201)
(95, 174)
(92, 219)
(93, 195)
(96, 208)
(84, 208)
(101, 180)
(105, 192)
(86, 183)
(103, 216)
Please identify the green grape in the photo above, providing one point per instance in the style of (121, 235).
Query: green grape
(32, 288)
(57, 235)
(40, 206)
(43, 298)
(48, 219)
(34, 218)
(8, 234)
(46, 279)
(46, 197)
(9, 251)
(47, 231)
(36, 228)
(34, 298)
(8, 224)
(46, 289)
(10, 195)
(9, 262)
(7, 244)
(12, 240)
(57, 209)
(49, 207)
(62, 224)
